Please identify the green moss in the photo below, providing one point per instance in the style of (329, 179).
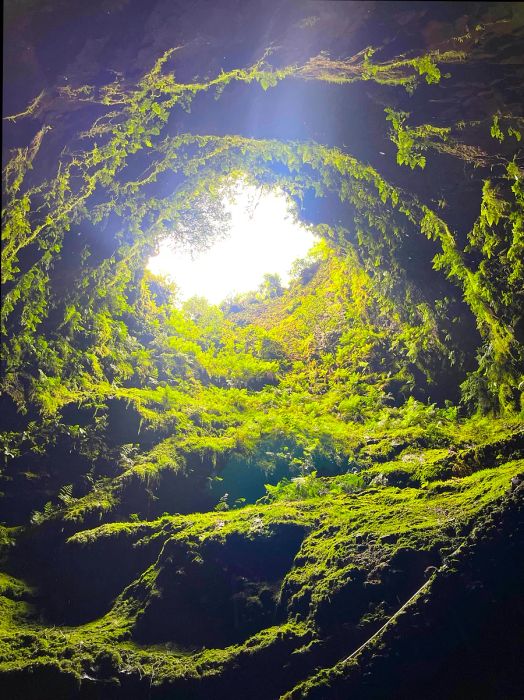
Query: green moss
(130, 405)
(7, 537)
(349, 539)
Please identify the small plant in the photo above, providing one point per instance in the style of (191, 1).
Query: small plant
(411, 141)
(312, 486)
(222, 503)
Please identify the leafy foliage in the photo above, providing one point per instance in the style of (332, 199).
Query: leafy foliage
(280, 377)
(400, 71)
(287, 451)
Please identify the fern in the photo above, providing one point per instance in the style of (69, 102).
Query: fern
(65, 495)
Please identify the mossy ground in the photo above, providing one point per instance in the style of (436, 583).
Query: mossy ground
(299, 582)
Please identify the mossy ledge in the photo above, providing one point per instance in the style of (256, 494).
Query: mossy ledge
(274, 590)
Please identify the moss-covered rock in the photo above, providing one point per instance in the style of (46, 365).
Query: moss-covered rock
(209, 589)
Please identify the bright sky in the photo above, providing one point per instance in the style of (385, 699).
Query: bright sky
(262, 239)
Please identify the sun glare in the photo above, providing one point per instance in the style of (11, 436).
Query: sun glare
(263, 238)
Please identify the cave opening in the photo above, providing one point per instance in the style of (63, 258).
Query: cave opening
(261, 241)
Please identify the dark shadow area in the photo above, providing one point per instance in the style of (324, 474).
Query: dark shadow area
(222, 595)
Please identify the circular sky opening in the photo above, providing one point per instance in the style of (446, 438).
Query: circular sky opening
(264, 237)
